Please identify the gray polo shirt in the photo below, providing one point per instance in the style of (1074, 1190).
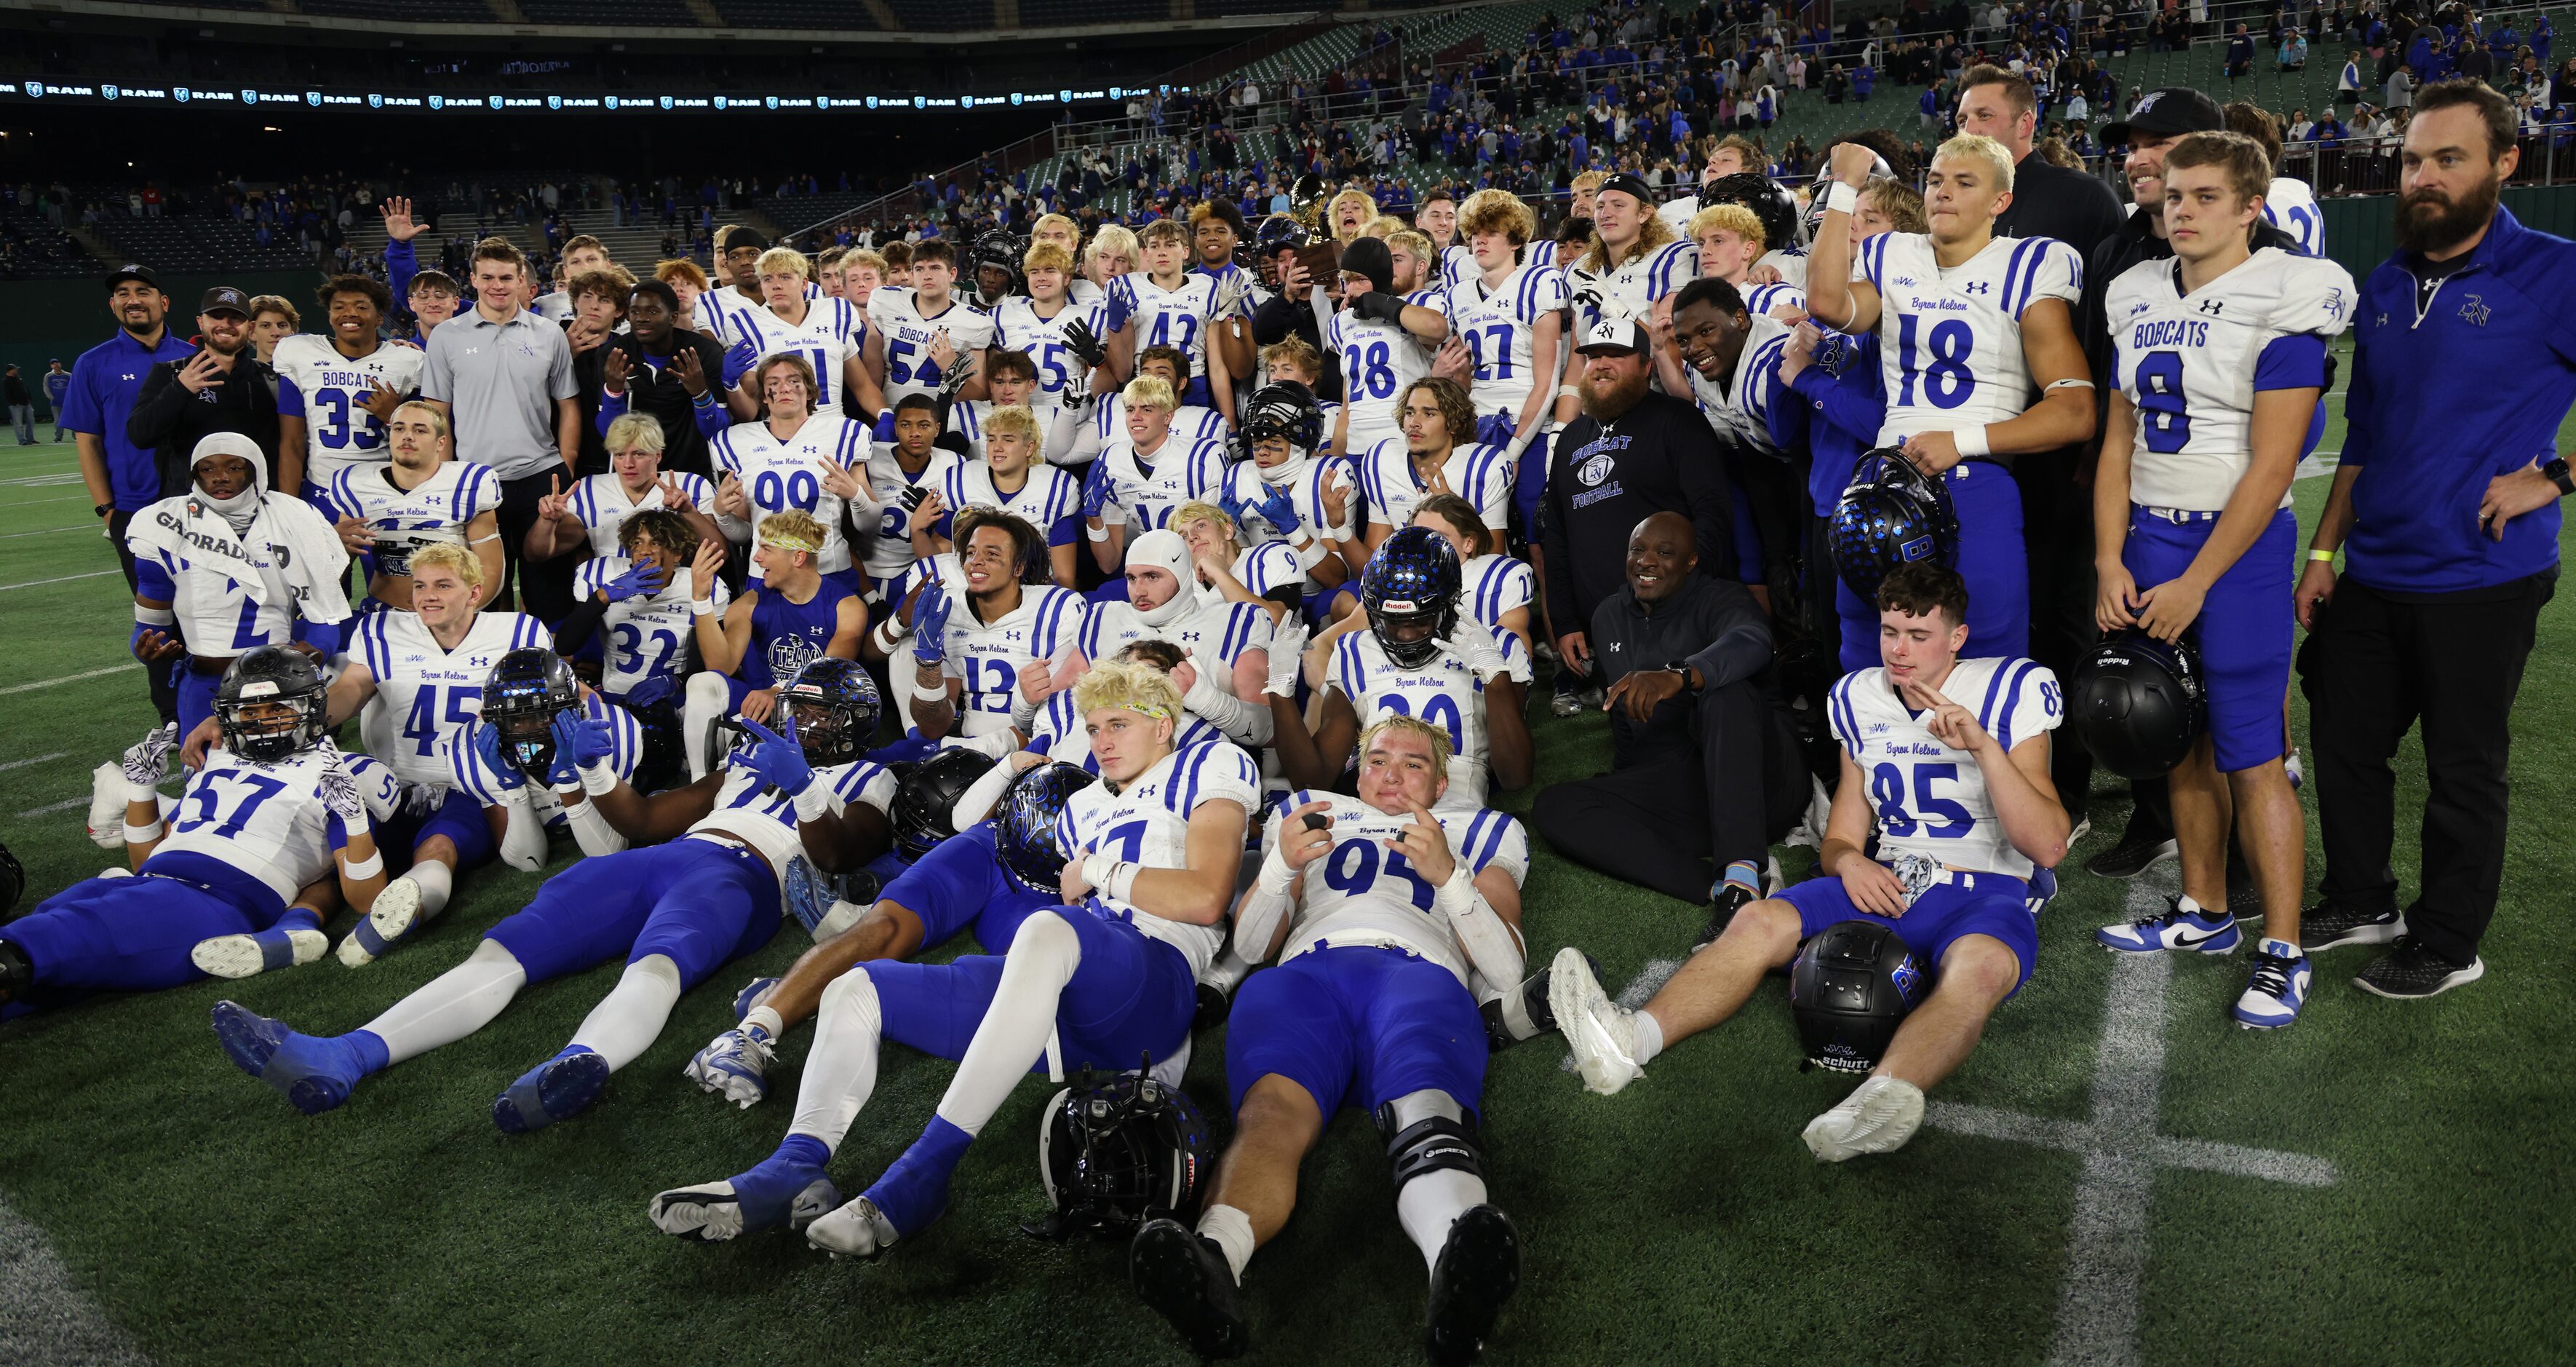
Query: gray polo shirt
(500, 382)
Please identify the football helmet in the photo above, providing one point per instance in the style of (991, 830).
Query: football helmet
(1781, 230)
(1024, 837)
(995, 249)
(1115, 1154)
(836, 708)
(2139, 703)
(1412, 581)
(1891, 514)
(262, 679)
(1287, 409)
(1814, 213)
(522, 695)
(1851, 986)
(927, 797)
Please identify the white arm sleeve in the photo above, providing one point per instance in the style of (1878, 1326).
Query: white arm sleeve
(1239, 720)
(980, 797)
(590, 829)
(1491, 944)
(523, 837)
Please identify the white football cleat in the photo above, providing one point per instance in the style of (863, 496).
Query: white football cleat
(734, 1065)
(1594, 1027)
(395, 914)
(1878, 1117)
(106, 823)
(857, 1230)
(248, 956)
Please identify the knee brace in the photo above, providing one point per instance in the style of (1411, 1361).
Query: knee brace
(1425, 1132)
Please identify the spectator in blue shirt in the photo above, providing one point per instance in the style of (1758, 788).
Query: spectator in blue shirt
(122, 478)
(58, 383)
(2446, 507)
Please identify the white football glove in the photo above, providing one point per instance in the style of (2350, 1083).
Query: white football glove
(1287, 655)
(1477, 646)
(147, 761)
(340, 794)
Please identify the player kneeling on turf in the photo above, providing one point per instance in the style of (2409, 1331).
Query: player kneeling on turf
(678, 910)
(245, 866)
(1371, 1004)
(1152, 853)
(1966, 821)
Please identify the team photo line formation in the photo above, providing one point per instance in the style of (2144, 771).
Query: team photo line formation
(1164, 610)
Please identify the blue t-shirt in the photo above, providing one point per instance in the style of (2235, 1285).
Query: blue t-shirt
(106, 381)
(786, 636)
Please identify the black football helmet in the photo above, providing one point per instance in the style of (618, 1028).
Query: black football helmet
(1850, 987)
(836, 708)
(1891, 514)
(999, 250)
(1814, 213)
(927, 798)
(1769, 202)
(2139, 704)
(262, 679)
(1024, 837)
(1287, 409)
(522, 696)
(1115, 1154)
(1413, 580)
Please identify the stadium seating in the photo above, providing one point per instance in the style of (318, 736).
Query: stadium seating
(609, 13)
(415, 11)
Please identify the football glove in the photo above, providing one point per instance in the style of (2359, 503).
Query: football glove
(778, 759)
(340, 794)
(640, 581)
(1379, 306)
(1495, 429)
(930, 626)
(1278, 510)
(1287, 653)
(147, 760)
(487, 748)
(565, 770)
(1084, 344)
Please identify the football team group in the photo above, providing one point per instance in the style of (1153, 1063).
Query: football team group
(1161, 611)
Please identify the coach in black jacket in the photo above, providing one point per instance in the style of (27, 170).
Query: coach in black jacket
(686, 396)
(1705, 770)
(221, 388)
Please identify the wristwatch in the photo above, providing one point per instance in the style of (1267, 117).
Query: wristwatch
(103, 509)
(2555, 470)
(1690, 676)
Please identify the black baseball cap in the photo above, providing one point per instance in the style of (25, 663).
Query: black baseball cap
(225, 299)
(2170, 112)
(1631, 184)
(130, 271)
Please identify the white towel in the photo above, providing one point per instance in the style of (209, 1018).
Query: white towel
(288, 551)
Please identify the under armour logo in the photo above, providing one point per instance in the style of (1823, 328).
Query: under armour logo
(2476, 311)
(1981, 287)
(2213, 306)
(2383, 321)
(128, 377)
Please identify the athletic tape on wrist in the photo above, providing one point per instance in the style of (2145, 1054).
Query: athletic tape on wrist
(363, 869)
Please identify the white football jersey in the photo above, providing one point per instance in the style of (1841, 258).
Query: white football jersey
(1378, 361)
(1178, 317)
(889, 553)
(1499, 326)
(1496, 584)
(1142, 494)
(1478, 473)
(1930, 799)
(331, 391)
(648, 636)
(1628, 293)
(2191, 363)
(426, 693)
(1191, 423)
(986, 656)
(2291, 206)
(725, 312)
(779, 474)
(1148, 823)
(750, 810)
(1444, 692)
(1949, 341)
(1759, 300)
(1017, 327)
(404, 520)
(217, 615)
(1791, 262)
(1058, 732)
(1363, 893)
(470, 776)
(831, 332)
(1230, 277)
(1245, 485)
(1457, 263)
(1741, 410)
(1046, 498)
(269, 820)
(908, 337)
(1267, 566)
(602, 504)
(1219, 632)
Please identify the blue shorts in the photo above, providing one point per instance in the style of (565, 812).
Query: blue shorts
(1991, 560)
(134, 934)
(698, 902)
(2244, 628)
(196, 693)
(460, 818)
(960, 884)
(1133, 997)
(1988, 904)
(1318, 606)
(1358, 1025)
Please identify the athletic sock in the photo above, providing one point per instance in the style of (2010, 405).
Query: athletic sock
(436, 882)
(631, 1016)
(1745, 874)
(841, 1071)
(915, 1190)
(450, 1006)
(803, 1150)
(1645, 1036)
(1232, 1231)
(767, 1020)
(1429, 1204)
(1045, 954)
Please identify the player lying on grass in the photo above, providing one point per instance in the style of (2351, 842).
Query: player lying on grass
(1108, 978)
(1964, 816)
(249, 857)
(677, 910)
(1371, 1006)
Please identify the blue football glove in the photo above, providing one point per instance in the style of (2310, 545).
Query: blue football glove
(1233, 508)
(1494, 429)
(1278, 510)
(640, 581)
(654, 690)
(487, 748)
(1095, 489)
(930, 625)
(566, 768)
(884, 429)
(778, 759)
(591, 739)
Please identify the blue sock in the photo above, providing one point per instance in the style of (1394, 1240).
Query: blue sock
(367, 1051)
(915, 1190)
(1744, 873)
(299, 918)
(804, 1149)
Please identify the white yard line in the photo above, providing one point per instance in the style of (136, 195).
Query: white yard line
(68, 678)
(33, 759)
(45, 1319)
(59, 579)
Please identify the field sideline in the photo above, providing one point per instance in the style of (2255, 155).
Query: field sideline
(2413, 1206)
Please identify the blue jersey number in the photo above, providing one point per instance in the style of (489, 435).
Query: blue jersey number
(1887, 793)
(1439, 709)
(1050, 365)
(1499, 336)
(1368, 370)
(630, 646)
(210, 797)
(898, 362)
(2161, 416)
(1352, 868)
(1189, 330)
(778, 493)
(1943, 368)
(989, 684)
(422, 726)
(1127, 842)
(337, 430)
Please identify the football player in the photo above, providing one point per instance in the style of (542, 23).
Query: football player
(1969, 326)
(994, 273)
(831, 334)
(1152, 853)
(1509, 320)
(903, 476)
(1289, 493)
(1727, 358)
(596, 509)
(1216, 230)
(517, 762)
(977, 628)
(639, 599)
(1049, 329)
(1190, 423)
(1228, 643)
(863, 273)
(925, 332)
(1011, 377)
(1137, 481)
(1112, 255)
(1438, 452)
(1729, 239)
(721, 309)
(1959, 804)
(1010, 477)
(703, 888)
(1165, 305)
(272, 833)
(794, 460)
(1437, 219)
(582, 254)
(1384, 341)
(2194, 532)
(1266, 576)
(335, 393)
(1498, 588)
(2289, 204)
(384, 511)
(790, 616)
(1064, 234)
(1634, 258)
(1372, 1007)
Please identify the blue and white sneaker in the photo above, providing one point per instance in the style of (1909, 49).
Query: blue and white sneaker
(750, 996)
(783, 1190)
(734, 1065)
(558, 1089)
(2278, 988)
(291, 943)
(2043, 890)
(393, 916)
(2185, 925)
(313, 1074)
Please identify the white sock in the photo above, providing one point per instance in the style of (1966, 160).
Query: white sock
(767, 1020)
(1645, 1036)
(2187, 906)
(703, 703)
(631, 1016)
(842, 1069)
(1044, 954)
(452, 1005)
(1232, 1230)
(436, 882)
(1429, 1204)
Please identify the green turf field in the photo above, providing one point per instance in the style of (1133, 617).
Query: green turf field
(1682, 1220)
